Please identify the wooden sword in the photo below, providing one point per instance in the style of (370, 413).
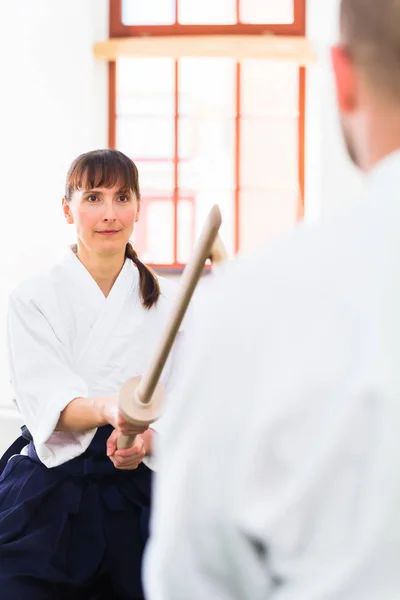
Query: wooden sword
(141, 398)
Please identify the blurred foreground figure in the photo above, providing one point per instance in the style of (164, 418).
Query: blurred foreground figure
(279, 472)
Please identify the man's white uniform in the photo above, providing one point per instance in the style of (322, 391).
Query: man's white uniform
(279, 472)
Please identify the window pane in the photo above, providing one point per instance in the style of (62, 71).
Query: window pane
(154, 233)
(207, 138)
(269, 88)
(211, 12)
(265, 214)
(156, 177)
(210, 174)
(148, 12)
(203, 202)
(211, 161)
(267, 11)
(186, 229)
(149, 74)
(145, 86)
(206, 127)
(145, 107)
(207, 87)
(146, 104)
(146, 137)
(269, 152)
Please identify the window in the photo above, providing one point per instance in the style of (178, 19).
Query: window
(175, 17)
(206, 130)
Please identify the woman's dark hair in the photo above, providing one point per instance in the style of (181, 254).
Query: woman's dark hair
(108, 168)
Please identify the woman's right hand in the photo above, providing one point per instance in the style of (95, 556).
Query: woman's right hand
(112, 416)
(126, 458)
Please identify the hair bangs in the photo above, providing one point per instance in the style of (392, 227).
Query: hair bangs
(103, 169)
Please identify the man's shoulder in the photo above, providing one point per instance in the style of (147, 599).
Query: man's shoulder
(301, 281)
(308, 254)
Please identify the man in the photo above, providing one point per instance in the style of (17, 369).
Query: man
(279, 473)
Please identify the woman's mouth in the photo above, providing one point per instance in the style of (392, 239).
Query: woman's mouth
(109, 231)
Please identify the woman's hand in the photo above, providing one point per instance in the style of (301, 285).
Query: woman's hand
(128, 458)
(112, 416)
(82, 414)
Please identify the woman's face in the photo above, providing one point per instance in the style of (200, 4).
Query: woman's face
(104, 218)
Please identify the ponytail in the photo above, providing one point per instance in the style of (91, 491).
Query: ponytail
(149, 286)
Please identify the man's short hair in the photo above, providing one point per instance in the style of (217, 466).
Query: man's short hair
(370, 30)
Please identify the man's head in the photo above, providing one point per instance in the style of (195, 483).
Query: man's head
(366, 64)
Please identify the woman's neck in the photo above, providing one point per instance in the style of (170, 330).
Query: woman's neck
(103, 268)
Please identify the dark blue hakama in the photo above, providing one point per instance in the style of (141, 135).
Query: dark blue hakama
(73, 531)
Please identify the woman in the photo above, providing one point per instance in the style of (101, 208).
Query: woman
(74, 509)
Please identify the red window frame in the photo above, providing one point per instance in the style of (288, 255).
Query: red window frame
(297, 28)
(118, 29)
(142, 230)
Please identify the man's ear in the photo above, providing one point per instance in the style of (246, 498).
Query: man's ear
(345, 79)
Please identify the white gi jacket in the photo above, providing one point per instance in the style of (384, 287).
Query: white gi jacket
(279, 464)
(66, 340)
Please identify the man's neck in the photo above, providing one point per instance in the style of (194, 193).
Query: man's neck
(104, 269)
(383, 137)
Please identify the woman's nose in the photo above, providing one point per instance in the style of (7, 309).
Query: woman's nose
(109, 213)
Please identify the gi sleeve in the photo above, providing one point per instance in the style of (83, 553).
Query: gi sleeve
(43, 381)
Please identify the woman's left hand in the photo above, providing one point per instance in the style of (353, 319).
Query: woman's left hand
(128, 458)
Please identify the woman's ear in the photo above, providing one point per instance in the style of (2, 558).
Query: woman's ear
(137, 212)
(67, 211)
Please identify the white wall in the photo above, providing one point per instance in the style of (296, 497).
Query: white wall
(53, 106)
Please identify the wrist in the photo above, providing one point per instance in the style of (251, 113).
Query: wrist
(100, 406)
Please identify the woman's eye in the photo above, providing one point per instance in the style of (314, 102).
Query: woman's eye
(123, 198)
(91, 198)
